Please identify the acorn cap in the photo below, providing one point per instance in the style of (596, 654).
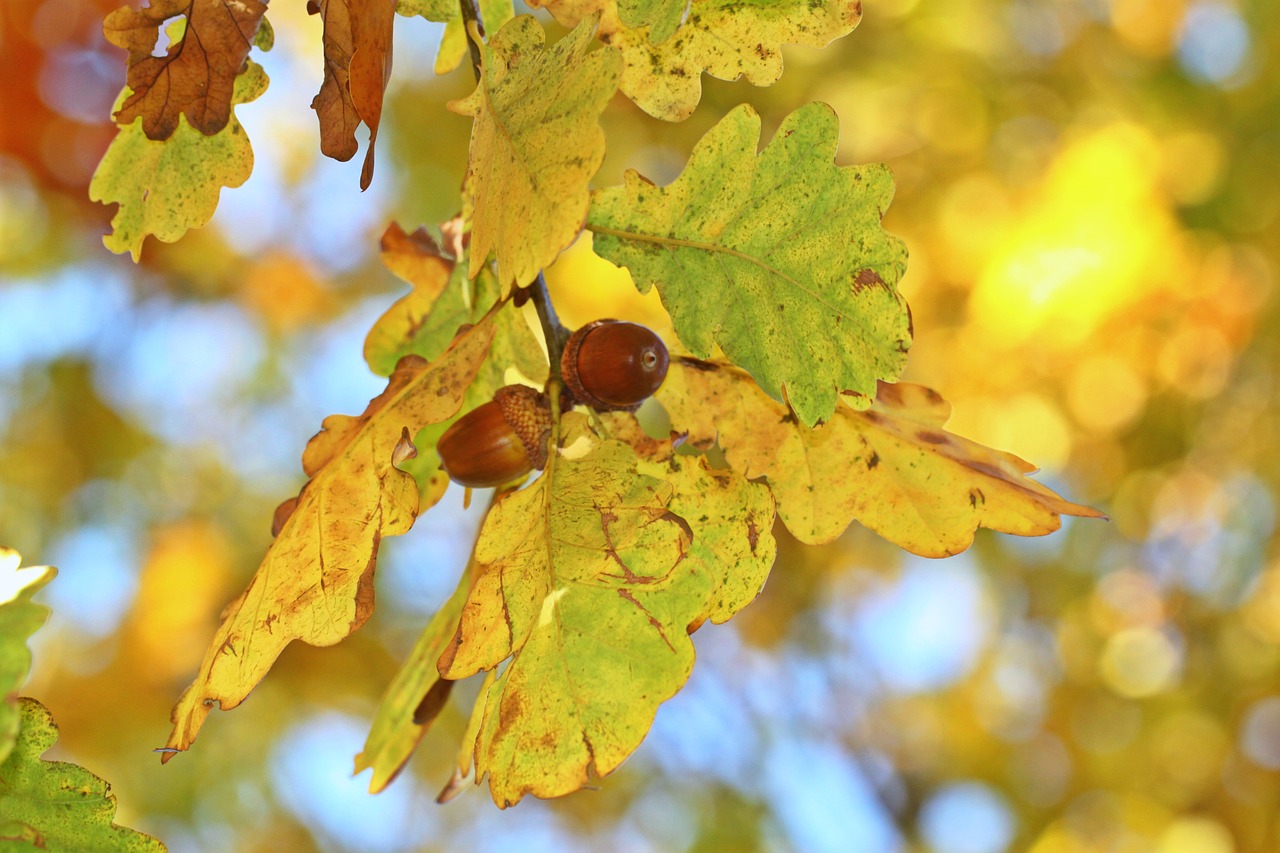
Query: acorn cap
(528, 411)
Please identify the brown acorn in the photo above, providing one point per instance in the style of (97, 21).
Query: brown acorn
(612, 365)
(499, 441)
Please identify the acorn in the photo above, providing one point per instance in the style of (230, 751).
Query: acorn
(612, 365)
(500, 441)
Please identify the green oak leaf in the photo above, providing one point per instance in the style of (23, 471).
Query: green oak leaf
(535, 144)
(54, 805)
(779, 258)
(19, 619)
(661, 16)
(167, 188)
(590, 581)
(581, 579)
(731, 519)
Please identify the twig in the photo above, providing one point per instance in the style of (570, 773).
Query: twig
(471, 15)
(554, 332)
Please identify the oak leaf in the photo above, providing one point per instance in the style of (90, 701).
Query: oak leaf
(779, 258)
(316, 582)
(196, 77)
(19, 619)
(665, 49)
(166, 188)
(412, 324)
(892, 467)
(591, 582)
(357, 65)
(535, 143)
(55, 805)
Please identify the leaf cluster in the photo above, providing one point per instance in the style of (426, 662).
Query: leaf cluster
(585, 584)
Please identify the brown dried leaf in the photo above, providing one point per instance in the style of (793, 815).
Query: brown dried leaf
(357, 66)
(196, 76)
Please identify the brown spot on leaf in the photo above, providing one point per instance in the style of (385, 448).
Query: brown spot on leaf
(873, 460)
(929, 436)
(677, 520)
(853, 395)
(510, 708)
(865, 278)
(889, 393)
(988, 469)
(627, 596)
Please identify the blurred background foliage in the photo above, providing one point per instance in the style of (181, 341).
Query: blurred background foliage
(1090, 193)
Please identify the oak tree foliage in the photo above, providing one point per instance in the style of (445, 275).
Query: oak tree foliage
(588, 578)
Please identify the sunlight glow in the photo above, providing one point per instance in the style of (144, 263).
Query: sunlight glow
(1095, 238)
(14, 580)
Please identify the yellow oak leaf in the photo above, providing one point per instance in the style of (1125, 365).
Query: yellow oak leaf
(168, 187)
(663, 56)
(316, 581)
(535, 144)
(418, 259)
(892, 467)
(582, 579)
(591, 580)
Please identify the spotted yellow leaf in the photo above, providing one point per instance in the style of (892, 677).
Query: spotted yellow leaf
(892, 467)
